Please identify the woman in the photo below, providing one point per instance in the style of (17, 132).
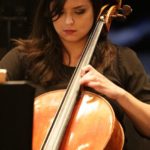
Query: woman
(50, 55)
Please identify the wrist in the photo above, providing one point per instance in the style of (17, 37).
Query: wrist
(122, 94)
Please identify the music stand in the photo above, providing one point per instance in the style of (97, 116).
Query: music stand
(16, 115)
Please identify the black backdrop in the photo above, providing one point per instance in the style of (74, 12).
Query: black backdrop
(134, 32)
(15, 20)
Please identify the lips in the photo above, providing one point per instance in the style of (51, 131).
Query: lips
(68, 31)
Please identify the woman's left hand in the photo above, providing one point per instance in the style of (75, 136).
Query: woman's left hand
(92, 78)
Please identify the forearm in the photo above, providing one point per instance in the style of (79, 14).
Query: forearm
(138, 111)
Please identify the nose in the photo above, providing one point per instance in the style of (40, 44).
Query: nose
(69, 19)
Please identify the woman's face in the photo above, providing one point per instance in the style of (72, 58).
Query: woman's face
(75, 21)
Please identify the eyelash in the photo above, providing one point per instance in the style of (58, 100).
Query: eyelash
(79, 12)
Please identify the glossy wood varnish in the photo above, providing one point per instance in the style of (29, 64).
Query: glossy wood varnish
(93, 125)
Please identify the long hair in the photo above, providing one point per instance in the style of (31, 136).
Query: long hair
(45, 50)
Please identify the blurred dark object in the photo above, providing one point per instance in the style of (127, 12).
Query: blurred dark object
(2, 52)
(15, 21)
(12, 27)
(13, 8)
(16, 115)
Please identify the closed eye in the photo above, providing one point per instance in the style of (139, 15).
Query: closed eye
(80, 11)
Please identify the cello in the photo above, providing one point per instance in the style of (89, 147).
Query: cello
(74, 119)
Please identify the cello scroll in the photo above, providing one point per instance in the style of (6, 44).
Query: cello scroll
(108, 13)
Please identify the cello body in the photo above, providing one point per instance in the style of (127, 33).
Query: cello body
(93, 125)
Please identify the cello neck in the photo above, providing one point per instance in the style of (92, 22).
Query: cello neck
(63, 115)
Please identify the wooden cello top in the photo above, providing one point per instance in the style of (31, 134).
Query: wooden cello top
(91, 126)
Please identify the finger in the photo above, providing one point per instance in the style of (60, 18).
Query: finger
(88, 78)
(85, 70)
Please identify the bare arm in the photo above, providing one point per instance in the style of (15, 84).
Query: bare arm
(138, 111)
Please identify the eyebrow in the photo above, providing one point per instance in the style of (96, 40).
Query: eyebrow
(78, 7)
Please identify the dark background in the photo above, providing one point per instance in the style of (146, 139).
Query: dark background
(134, 32)
(16, 21)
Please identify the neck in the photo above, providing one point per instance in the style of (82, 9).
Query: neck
(75, 50)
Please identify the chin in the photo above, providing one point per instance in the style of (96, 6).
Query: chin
(72, 40)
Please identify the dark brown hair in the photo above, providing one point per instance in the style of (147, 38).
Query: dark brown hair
(45, 50)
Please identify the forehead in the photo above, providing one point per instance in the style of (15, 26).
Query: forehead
(75, 3)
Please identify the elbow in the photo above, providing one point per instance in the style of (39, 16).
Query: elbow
(148, 132)
(145, 131)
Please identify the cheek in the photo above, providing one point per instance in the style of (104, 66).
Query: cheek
(88, 20)
(87, 24)
(57, 26)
